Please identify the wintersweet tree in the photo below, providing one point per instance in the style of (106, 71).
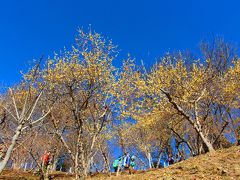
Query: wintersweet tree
(189, 94)
(21, 107)
(178, 92)
(79, 82)
(184, 96)
(231, 94)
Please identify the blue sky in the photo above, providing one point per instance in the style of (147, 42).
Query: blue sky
(144, 28)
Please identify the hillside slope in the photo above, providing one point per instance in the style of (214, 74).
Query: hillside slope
(222, 164)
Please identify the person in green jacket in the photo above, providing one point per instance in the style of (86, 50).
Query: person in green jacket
(117, 164)
(132, 162)
(131, 169)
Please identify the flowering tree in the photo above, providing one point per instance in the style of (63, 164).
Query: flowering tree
(79, 83)
(21, 107)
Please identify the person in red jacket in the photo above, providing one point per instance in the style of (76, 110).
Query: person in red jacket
(46, 160)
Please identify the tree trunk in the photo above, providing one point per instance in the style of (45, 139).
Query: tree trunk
(194, 122)
(54, 165)
(206, 142)
(149, 160)
(3, 163)
(90, 155)
(80, 163)
(89, 165)
(106, 162)
(237, 135)
(159, 159)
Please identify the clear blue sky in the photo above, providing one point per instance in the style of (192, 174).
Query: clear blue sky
(145, 28)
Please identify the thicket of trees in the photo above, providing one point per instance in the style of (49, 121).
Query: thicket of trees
(79, 106)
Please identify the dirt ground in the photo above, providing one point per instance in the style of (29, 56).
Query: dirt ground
(222, 164)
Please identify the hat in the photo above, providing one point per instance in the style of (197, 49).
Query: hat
(133, 157)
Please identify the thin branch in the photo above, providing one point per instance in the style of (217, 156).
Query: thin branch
(10, 113)
(38, 120)
(225, 125)
(14, 103)
(177, 107)
(34, 106)
(25, 105)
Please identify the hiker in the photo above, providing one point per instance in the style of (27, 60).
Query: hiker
(117, 164)
(170, 160)
(132, 165)
(45, 160)
(129, 163)
(126, 161)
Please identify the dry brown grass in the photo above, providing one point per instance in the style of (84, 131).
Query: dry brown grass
(222, 164)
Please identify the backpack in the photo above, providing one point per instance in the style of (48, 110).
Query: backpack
(116, 163)
(132, 164)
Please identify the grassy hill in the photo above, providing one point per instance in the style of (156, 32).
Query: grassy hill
(222, 164)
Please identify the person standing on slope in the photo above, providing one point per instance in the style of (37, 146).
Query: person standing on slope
(126, 161)
(117, 164)
(132, 165)
(45, 160)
